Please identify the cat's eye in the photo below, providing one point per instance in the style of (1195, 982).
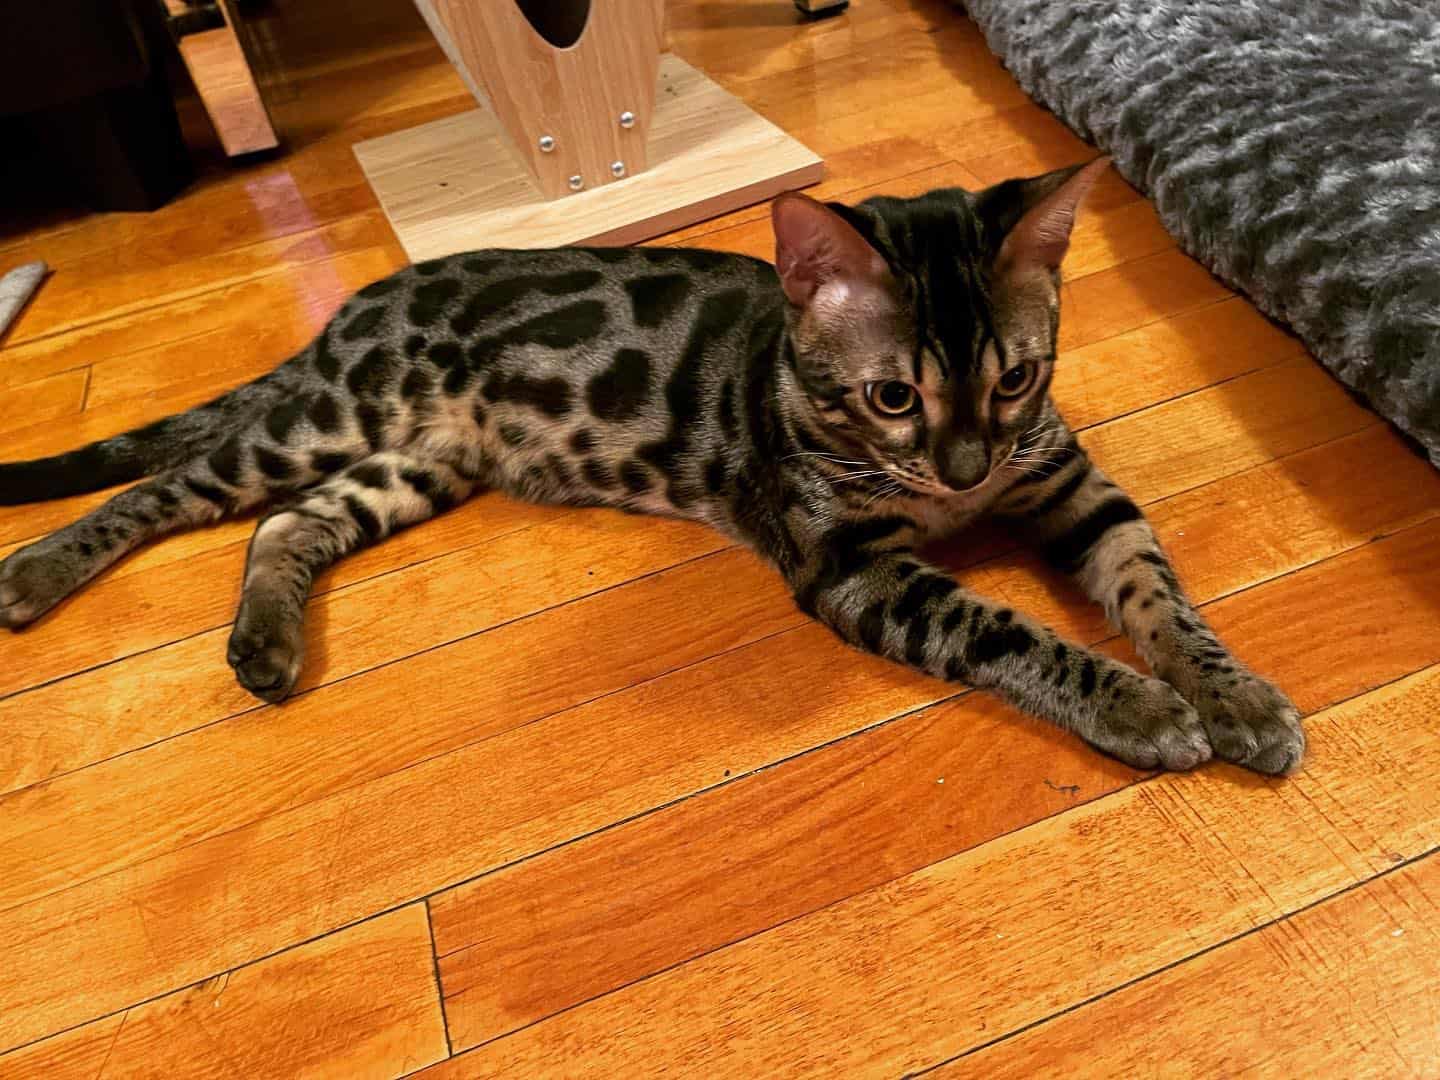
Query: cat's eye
(1015, 381)
(893, 398)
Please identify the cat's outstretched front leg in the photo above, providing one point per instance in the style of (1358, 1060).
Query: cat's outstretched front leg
(1090, 528)
(865, 582)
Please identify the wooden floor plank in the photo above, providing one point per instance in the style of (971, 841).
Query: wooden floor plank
(737, 59)
(562, 929)
(291, 876)
(299, 873)
(1248, 420)
(359, 1003)
(951, 61)
(1107, 238)
(120, 287)
(1346, 988)
(182, 779)
(287, 307)
(929, 965)
(113, 708)
(737, 39)
(1009, 135)
(581, 921)
(1296, 510)
(1165, 359)
(49, 398)
(1133, 295)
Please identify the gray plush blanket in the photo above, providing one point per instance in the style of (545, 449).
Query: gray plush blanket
(1293, 146)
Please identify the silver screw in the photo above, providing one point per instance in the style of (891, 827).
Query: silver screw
(627, 119)
(547, 143)
(576, 182)
(617, 169)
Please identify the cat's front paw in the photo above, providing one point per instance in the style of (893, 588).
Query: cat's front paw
(1250, 722)
(32, 581)
(1148, 725)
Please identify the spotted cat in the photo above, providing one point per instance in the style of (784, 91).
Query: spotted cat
(884, 383)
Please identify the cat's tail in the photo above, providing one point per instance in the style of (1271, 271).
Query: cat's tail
(143, 451)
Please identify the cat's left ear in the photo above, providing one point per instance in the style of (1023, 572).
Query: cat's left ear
(1040, 238)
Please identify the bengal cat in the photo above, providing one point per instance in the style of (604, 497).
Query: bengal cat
(884, 383)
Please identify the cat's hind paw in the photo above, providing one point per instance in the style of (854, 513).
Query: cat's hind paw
(32, 581)
(265, 666)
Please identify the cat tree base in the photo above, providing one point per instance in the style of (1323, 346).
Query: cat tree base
(454, 185)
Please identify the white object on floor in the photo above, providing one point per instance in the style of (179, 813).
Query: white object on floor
(16, 288)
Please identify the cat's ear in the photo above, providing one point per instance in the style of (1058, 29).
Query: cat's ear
(815, 246)
(1040, 238)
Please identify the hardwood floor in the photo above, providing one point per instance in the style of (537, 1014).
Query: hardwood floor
(569, 792)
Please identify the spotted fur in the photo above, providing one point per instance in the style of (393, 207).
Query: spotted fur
(884, 383)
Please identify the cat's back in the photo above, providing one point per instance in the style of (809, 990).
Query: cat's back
(478, 290)
(575, 305)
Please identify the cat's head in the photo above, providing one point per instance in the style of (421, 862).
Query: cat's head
(925, 328)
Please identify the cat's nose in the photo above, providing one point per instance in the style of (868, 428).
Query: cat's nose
(963, 463)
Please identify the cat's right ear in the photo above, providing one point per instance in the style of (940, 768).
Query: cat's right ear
(815, 246)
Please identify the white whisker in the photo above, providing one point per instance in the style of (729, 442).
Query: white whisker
(893, 488)
(826, 457)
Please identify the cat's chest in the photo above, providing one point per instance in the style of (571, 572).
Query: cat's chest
(938, 518)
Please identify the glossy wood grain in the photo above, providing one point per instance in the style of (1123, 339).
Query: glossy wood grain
(359, 1003)
(1344, 988)
(923, 967)
(818, 829)
(523, 789)
(574, 793)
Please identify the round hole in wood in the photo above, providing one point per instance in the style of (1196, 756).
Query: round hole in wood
(560, 22)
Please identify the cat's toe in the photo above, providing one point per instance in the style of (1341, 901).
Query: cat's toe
(1252, 724)
(266, 669)
(1281, 756)
(1180, 740)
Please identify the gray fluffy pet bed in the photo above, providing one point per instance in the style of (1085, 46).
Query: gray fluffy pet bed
(1293, 146)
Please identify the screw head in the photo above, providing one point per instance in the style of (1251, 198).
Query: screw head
(576, 182)
(617, 169)
(547, 143)
(627, 119)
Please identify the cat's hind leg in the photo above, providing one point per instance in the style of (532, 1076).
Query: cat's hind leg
(358, 506)
(40, 575)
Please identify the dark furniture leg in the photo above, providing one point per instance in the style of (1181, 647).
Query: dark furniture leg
(121, 148)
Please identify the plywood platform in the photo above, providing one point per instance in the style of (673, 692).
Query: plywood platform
(453, 185)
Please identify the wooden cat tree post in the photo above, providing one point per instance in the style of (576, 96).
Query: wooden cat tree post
(586, 134)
